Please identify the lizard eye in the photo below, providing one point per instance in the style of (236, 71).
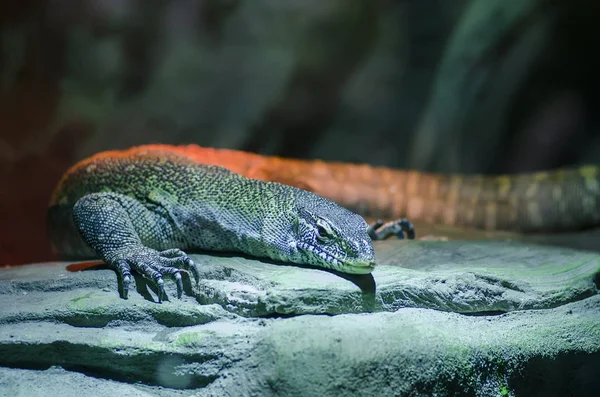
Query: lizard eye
(324, 232)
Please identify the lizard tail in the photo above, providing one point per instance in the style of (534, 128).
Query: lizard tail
(536, 202)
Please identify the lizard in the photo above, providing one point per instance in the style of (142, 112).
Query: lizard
(544, 201)
(141, 208)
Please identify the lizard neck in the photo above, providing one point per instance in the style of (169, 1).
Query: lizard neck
(274, 214)
(269, 212)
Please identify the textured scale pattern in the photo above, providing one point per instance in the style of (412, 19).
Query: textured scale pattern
(139, 209)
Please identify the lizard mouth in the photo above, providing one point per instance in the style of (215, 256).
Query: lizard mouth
(362, 268)
(354, 267)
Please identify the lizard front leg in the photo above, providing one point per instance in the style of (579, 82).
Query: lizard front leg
(127, 235)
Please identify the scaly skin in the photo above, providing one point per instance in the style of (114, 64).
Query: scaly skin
(139, 208)
(560, 200)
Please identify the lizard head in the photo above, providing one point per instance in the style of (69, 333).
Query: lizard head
(333, 237)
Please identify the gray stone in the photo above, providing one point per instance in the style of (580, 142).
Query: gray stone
(56, 381)
(466, 277)
(447, 318)
(421, 352)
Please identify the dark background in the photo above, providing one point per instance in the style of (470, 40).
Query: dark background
(491, 86)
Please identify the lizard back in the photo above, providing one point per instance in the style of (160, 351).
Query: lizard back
(191, 195)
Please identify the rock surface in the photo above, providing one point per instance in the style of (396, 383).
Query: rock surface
(452, 318)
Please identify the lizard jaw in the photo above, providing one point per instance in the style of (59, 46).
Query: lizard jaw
(360, 269)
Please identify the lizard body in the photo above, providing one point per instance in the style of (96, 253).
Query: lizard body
(141, 207)
(560, 200)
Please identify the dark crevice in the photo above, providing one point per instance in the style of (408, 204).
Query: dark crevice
(577, 298)
(485, 313)
(291, 315)
(270, 316)
(106, 364)
(565, 374)
(568, 374)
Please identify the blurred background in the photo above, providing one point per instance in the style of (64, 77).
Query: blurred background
(471, 86)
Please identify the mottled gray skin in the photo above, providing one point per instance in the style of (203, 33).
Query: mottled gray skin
(140, 211)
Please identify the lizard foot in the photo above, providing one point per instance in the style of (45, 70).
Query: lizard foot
(380, 230)
(153, 265)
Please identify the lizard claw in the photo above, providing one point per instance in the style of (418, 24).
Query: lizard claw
(125, 273)
(179, 285)
(193, 268)
(126, 283)
(380, 230)
(160, 284)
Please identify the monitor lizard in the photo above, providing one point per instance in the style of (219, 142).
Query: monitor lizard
(140, 208)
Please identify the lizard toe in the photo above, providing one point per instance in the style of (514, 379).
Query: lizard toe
(193, 267)
(160, 285)
(124, 272)
(126, 283)
(179, 283)
(175, 274)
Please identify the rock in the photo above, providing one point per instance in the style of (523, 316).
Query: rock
(422, 352)
(466, 277)
(56, 381)
(446, 318)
